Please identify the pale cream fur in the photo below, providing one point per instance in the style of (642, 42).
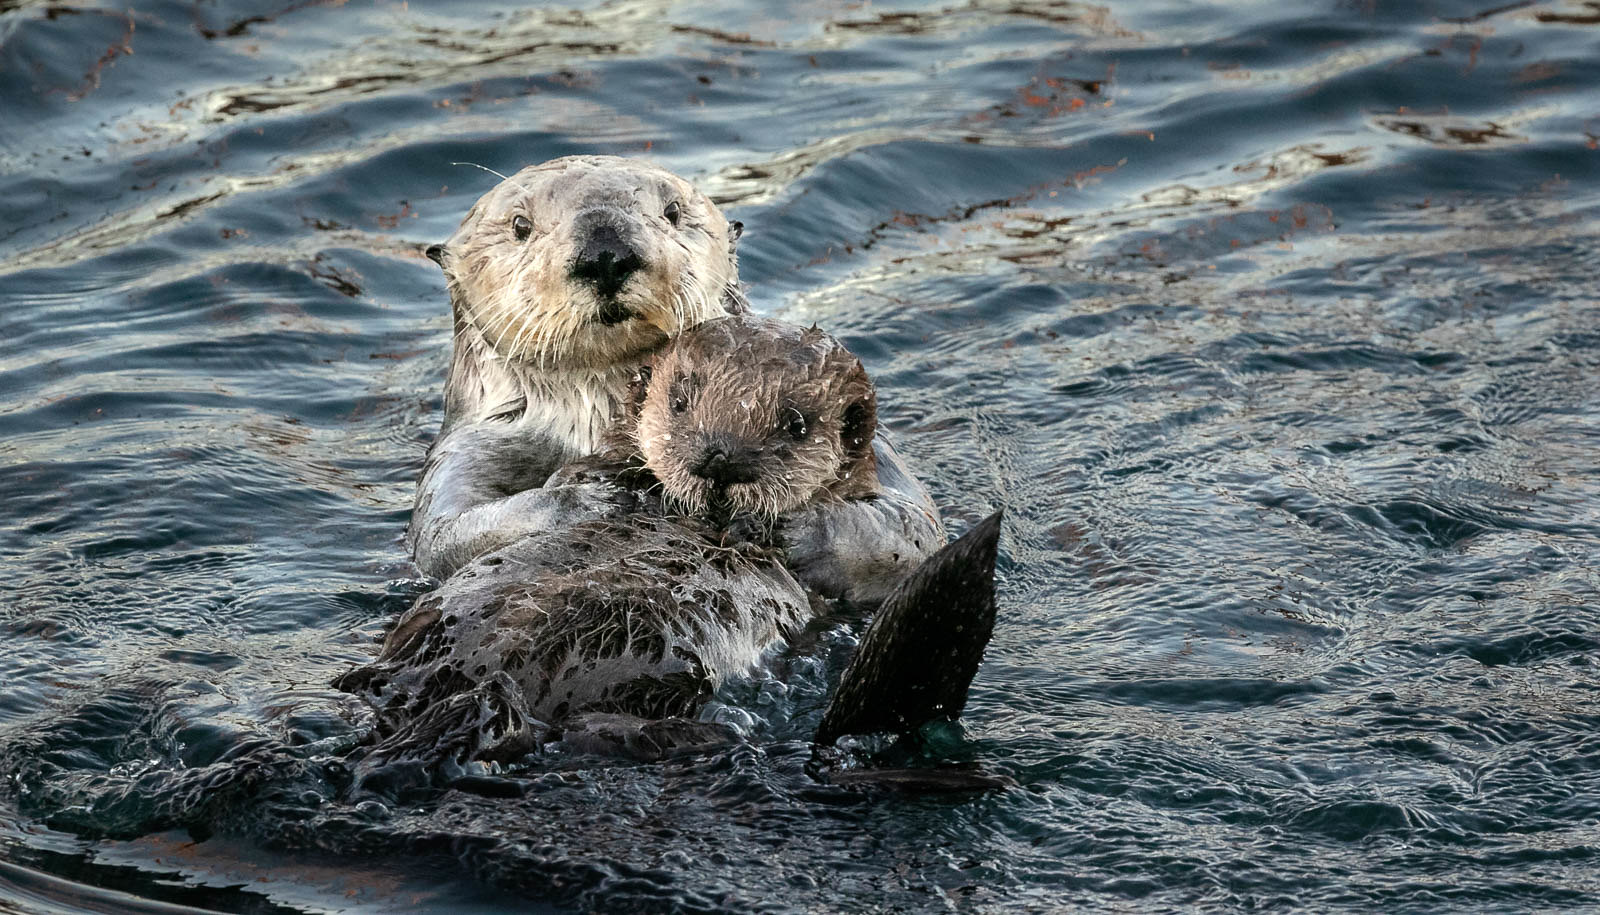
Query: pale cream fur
(529, 345)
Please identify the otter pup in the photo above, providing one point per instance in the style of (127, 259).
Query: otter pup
(641, 614)
(562, 279)
(758, 417)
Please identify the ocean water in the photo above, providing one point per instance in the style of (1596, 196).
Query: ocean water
(1274, 326)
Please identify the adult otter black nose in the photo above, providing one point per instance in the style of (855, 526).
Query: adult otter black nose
(722, 469)
(605, 262)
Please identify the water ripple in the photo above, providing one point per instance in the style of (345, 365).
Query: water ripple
(1273, 329)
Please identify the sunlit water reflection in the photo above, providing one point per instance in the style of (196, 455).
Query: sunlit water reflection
(1273, 327)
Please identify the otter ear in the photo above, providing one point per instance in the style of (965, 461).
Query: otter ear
(735, 232)
(436, 254)
(858, 426)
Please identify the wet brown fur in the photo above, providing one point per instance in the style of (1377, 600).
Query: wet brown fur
(640, 614)
(738, 383)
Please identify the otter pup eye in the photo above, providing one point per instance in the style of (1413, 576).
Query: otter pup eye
(521, 227)
(793, 422)
(673, 213)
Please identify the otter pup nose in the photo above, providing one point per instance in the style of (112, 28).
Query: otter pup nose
(605, 262)
(722, 469)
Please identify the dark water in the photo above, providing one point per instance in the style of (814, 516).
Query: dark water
(1274, 325)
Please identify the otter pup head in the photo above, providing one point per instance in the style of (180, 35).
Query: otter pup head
(756, 416)
(587, 261)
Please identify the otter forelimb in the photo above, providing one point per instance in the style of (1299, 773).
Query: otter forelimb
(482, 489)
(861, 549)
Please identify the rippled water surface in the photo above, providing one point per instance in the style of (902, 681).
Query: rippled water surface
(1273, 325)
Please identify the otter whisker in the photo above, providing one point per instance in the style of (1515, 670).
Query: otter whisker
(489, 170)
(702, 307)
(680, 305)
(538, 339)
(501, 314)
(528, 325)
(498, 323)
(504, 305)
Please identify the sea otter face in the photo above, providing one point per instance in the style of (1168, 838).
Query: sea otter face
(585, 262)
(756, 416)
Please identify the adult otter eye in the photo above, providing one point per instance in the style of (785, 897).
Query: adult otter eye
(673, 213)
(678, 395)
(521, 227)
(793, 422)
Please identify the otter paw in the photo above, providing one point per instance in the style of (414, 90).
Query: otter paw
(750, 530)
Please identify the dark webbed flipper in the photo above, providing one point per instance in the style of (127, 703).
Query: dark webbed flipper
(919, 656)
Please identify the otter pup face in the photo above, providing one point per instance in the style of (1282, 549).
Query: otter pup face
(587, 261)
(756, 416)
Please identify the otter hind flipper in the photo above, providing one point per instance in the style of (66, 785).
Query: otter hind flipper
(920, 653)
